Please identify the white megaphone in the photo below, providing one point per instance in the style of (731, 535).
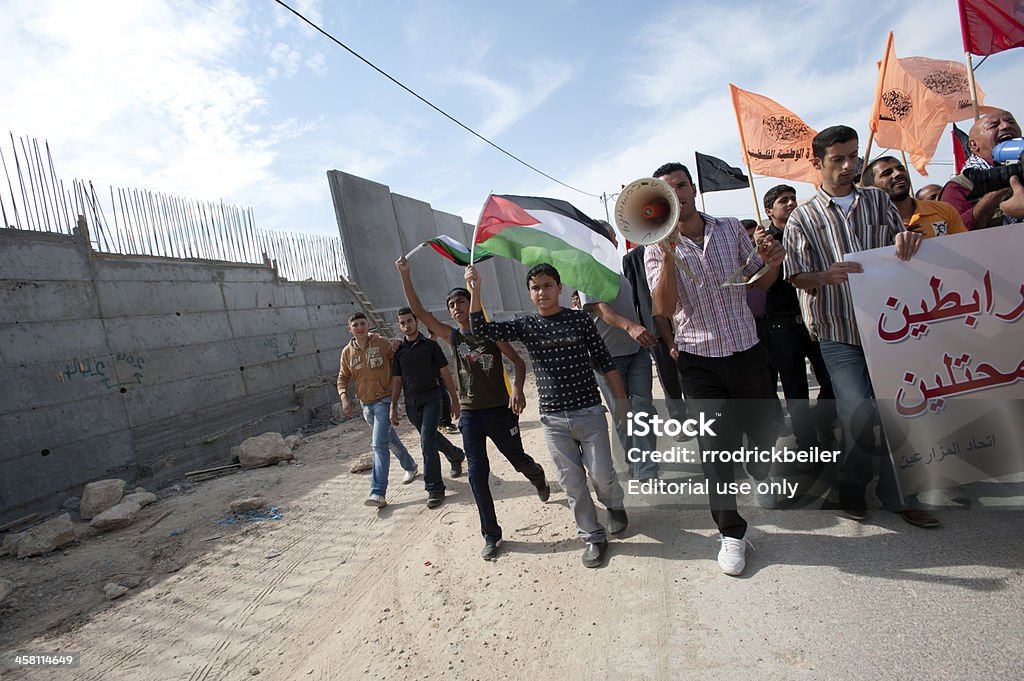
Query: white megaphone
(646, 211)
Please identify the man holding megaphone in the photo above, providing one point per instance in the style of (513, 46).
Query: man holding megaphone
(698, 277)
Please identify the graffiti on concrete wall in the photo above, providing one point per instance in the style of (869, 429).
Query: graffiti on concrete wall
(292, 345)
(106, 375)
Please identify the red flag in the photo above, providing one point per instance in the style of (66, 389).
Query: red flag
(991, 26)
(906, 114)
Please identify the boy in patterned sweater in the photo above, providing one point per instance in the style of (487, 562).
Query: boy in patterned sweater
(561, 343)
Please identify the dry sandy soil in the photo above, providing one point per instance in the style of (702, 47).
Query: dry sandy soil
(336, 590)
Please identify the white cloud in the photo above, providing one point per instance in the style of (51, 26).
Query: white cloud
(505, 104)
(287, 58)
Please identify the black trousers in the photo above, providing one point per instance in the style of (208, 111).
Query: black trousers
(739, 388)
(790, 346)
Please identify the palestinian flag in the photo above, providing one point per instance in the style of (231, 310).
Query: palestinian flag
(455, 251)
(533, 230)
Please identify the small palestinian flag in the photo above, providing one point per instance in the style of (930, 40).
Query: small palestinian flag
(455, 251)
(533, 230)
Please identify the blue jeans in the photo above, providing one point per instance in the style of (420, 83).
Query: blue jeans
(426, 417)
(502, 426)
(636, 374)
(579, 446)
(855, 402)
(376, 415)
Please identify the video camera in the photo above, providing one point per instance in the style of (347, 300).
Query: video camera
(1010, 156)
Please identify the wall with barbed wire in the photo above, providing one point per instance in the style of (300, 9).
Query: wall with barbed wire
(144, 367)
(143, 335)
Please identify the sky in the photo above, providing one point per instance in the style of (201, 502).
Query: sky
(238, 100)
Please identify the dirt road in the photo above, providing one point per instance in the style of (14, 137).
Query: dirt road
(336, 590)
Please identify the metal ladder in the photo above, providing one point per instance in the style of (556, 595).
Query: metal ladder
(378, 323)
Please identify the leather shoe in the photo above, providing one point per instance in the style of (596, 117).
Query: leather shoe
(490, 550)
(593, 555)
(435, 500)
(920, 518)
(457, 467)
(617, 520)
(544, 491)
(853, 505)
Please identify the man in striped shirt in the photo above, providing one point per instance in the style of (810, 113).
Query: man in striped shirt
(839, 220)
(724, 369)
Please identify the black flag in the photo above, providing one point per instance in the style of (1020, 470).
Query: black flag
(715, 175)
(961, 149)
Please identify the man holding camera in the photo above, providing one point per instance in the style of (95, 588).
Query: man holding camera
(991, 129)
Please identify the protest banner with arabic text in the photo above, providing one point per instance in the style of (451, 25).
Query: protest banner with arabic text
(943, 335)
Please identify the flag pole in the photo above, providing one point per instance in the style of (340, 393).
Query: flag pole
(472, 241)
(410, 253)
(876, 106)
(701, 194)
(733, 90)
(867, 157)
(974, 85)
(753, 192)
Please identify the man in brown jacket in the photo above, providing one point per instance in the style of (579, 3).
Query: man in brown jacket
(366, 360)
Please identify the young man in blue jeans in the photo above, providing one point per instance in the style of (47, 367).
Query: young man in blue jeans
(421, 369)
(561, 343)
(366, 361)
(489, 410)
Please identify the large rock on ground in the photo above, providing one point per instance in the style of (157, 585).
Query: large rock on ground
(10, 545)
(116, 517)
(262, 450)
(49, 536)
(112, 590)
(99, 496)
(140, 498)
(250, 504)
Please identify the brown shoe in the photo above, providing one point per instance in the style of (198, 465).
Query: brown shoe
(919, 518)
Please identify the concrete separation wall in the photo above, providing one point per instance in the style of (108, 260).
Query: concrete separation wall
(145, 368)
(377, 226)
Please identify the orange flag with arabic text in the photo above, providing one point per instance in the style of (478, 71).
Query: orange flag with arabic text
(776, 143)
(906, 114)
(947, 79)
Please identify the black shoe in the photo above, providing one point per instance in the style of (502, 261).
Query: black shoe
(617, 520)
(593, 555)
(853, 505)
(435, 500)
(543, 491)
(920, 518)
(457, 466)
(490, 549)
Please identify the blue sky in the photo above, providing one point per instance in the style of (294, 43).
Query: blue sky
(238, 100)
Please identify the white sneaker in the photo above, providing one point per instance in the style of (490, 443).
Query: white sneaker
(410, 475)
(732, 556)
(375, 500)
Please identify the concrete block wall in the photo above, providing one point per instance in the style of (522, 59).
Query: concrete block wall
(377, 226)
(145, 368)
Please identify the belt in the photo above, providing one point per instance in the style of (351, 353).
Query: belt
(788, 319)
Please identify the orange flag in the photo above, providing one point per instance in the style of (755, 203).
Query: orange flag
(947, 79)
(776, 143)
(906, 114)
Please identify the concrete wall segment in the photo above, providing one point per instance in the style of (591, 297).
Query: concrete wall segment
(48, 301)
